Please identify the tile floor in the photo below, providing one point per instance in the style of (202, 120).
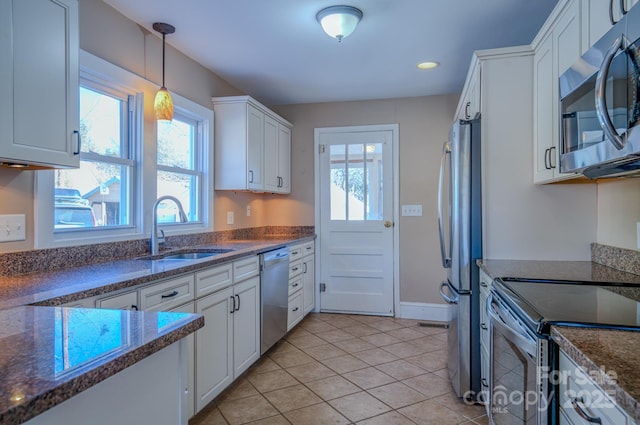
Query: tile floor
(347, 369)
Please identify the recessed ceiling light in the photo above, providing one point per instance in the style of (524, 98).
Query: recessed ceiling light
(427, 65)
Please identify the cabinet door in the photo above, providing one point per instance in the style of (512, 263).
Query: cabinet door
(543, 110)
(246, 325)
(125, 301)
(284, 159)
(214, 346)
(39, 118)
(255, 148)
(271, 180)
(308, 283)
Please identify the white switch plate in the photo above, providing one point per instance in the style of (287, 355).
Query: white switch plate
(12, 227)
(412, 210)
(230, 217)
(248, 210)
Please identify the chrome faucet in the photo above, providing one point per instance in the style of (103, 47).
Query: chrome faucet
(155, 243)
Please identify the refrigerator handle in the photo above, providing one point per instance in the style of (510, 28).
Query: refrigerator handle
(446, 255)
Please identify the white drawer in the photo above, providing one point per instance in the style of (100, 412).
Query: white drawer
(122, 301)
(295, 252)
(246, 268)
(165, 295)
(308, 248)
(295, 310)
(576, 383)
(295, 269)
(295, 284)
(213, 279)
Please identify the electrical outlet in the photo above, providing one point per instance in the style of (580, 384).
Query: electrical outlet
(230, 217)
(12, 227)
(248, 210)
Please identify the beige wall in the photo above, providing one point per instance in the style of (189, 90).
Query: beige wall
(619, 212)
(424, 125)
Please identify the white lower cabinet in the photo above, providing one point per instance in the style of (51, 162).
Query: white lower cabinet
(580, 398)
(302, 286)
(189, 307)
(308, 283)
(485, 359)
(230, 341)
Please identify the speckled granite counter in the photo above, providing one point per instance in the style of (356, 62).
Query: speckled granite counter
(572, 271)
(602, 351)
(50, 354)
(63, 286)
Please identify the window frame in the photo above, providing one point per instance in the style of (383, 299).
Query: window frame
(143, 147)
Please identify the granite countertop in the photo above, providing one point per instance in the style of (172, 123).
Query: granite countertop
(607, 354)
(72, 284)
(570, 271)
(50, 354)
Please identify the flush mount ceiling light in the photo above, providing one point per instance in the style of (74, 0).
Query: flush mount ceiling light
(339, 21)
(427, 65)
(163, 104)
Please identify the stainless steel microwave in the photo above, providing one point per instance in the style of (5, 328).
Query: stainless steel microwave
(600, 105)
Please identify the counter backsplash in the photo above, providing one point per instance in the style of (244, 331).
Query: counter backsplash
(61, 258)
(627, 260)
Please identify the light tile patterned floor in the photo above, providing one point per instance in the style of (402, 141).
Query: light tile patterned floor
(347, 369)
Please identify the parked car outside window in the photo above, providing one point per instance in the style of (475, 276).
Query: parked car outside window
(73, 215)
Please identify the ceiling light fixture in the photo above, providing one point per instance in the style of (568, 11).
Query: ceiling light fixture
(427, 65)
(163, 104)
(339, 21)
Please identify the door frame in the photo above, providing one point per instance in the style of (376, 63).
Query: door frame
(395, 161)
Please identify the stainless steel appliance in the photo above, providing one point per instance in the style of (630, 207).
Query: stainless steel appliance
(523, 357)
(600, 105)
(274, 296)
(460, 228)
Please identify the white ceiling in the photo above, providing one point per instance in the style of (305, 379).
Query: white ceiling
(276, 51)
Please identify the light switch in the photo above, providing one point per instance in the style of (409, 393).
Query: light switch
(412, 210)
(12, 227)
(230, 217)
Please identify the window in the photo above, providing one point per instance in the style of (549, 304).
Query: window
(98, 194)
(179, 167)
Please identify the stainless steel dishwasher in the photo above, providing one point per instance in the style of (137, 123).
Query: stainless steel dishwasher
(274, 296)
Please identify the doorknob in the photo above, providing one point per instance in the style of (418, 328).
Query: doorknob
(388, 223)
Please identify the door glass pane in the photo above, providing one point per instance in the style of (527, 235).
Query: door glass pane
(182, 186)
(356, 181)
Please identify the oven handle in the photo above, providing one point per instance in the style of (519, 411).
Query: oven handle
(601, 101)
(520, 339)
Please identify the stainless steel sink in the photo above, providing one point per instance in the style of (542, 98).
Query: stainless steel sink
(184, 255)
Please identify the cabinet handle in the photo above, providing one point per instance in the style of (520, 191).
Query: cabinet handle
(552, 163)
(294, 253)
(546, 159)
(134, 307)
(294, 285)
(483, 327)
(309, 248)
(483, 284)
(233, 304)
(305, 268)
(484, 382)
(295, 309)
(467, 115)
(238, 297)
(623, 7)
(295, 269)
(250, 176)
(613, 21)
(582, 413)
(171, 295)
(77, 133)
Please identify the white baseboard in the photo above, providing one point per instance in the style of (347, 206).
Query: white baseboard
(424, 311)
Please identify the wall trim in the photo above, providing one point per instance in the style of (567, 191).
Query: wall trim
(424, 311)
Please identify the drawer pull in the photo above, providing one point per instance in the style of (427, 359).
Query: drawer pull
(484, 382)
(294, 285)
(483, 284)
(580, 411)
(295, 309)
(309, 248)
(171, 295)
(134, 307)
(295, 269)
(483, 327)
(295, 252)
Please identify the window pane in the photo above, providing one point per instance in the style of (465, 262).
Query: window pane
(176, 141)
(374, 181)
(101, 123)
(95, 195)
(182, 186)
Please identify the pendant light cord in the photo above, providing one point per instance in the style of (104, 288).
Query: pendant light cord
(163, 46)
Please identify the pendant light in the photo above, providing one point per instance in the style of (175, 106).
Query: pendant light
(163, 104)
(339, 21)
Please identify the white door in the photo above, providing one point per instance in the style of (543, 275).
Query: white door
(356, 212)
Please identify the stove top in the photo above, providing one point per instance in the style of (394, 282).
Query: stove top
(543, 303)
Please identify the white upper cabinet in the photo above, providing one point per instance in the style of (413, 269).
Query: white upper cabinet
(39, 118)
(556, 47)
(596, 19)
(252, 146)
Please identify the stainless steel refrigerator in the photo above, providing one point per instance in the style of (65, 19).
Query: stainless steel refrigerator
(460, 228)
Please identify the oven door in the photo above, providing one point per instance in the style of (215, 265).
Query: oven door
(514, 394)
